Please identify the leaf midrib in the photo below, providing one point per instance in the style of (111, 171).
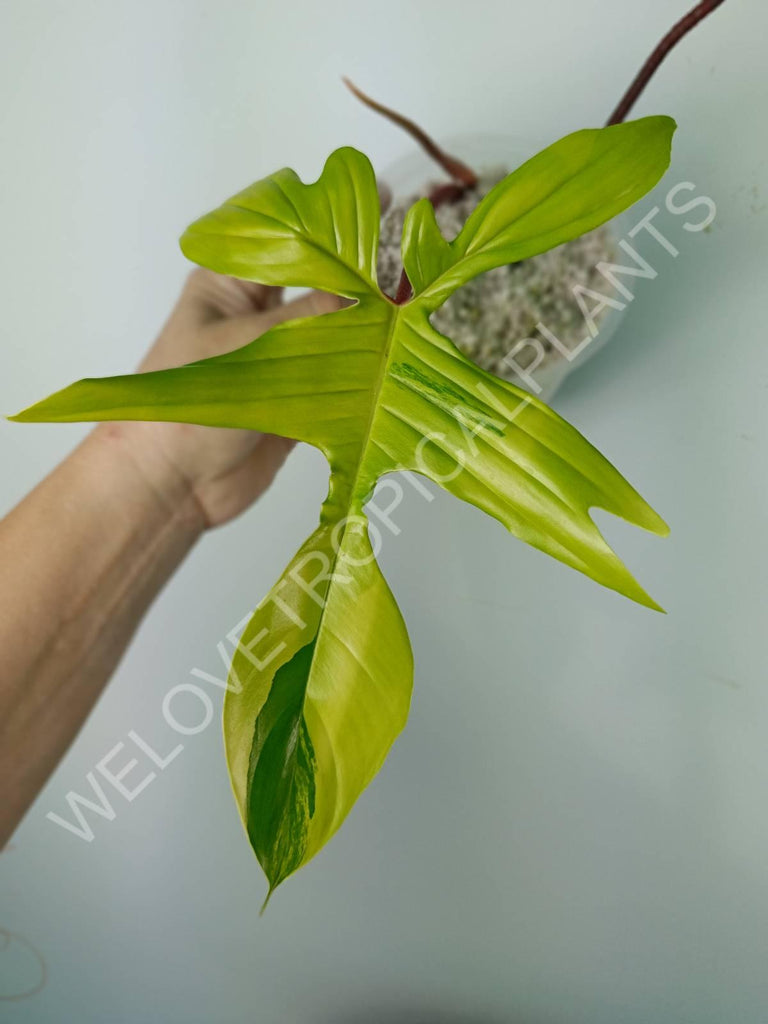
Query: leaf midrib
(352, 505)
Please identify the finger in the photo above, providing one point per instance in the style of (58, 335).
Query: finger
(209, 296)
(274, 297)
(260, 296)
(311, 304)
(232, 334)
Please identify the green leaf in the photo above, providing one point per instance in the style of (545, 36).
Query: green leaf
(319, 689)
(321, 682)
(281, 772)
(280, 231)
(310, 379)
(569, 188)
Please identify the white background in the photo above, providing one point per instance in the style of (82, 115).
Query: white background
(574, 826)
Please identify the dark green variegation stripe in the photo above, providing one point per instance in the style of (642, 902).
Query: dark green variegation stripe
(281, 774)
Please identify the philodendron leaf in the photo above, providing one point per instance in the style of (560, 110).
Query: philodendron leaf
(564, 191)
(281, 231)
(321, 682)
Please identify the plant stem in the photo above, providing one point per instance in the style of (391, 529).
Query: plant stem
(671, 39)
(450, 164)
(463, 177)
(404, 289)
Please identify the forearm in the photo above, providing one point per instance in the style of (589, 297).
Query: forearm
(81, 558)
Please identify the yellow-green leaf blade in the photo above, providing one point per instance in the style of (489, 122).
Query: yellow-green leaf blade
(280, 231)
(309, 379)
(571, 187)
(317, 697)
(501, 449)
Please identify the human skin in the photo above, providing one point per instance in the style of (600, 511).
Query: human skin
(86, 552)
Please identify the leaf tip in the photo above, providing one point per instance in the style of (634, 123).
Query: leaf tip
(654, 605)
(630, 588)
(668, 125)
(25, 416)
(652, 135)
(267, 898)
(633, 508)
(44, 411)
(661, 529)
(664, 127)
(185, 243)
(662, 123)
(650, 520)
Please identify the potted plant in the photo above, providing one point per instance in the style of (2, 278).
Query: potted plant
(321, 681)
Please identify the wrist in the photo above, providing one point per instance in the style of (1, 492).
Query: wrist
(135, 465)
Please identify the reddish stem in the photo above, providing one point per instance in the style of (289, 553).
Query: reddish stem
(450, 164)
(404, 290)
(451, 192)
(464, 177)
(671, 39)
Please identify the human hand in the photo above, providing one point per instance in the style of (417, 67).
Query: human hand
(220, 471)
